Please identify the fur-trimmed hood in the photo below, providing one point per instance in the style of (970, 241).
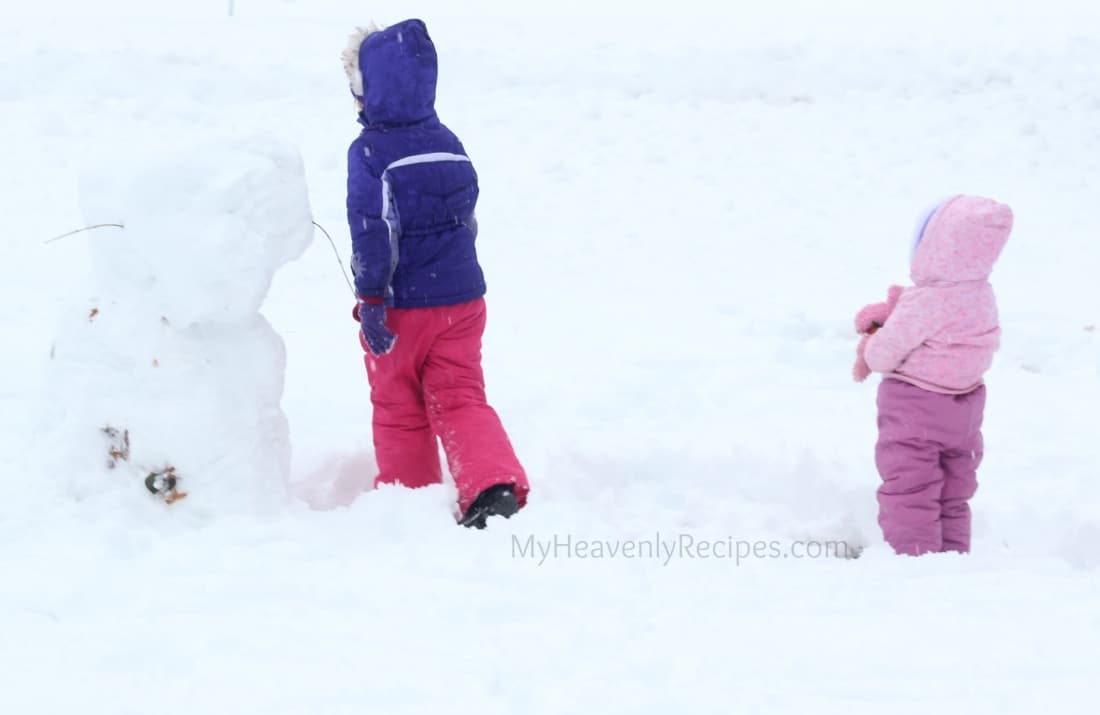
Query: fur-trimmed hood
(350, 58)
(392, 71)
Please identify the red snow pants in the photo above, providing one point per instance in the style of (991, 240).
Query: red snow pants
(429, 386)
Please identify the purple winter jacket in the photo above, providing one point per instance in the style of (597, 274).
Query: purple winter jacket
(412, 190)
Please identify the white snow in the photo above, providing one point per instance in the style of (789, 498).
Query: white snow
(682, 207)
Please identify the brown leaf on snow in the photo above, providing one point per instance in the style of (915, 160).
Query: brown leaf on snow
(174, 497)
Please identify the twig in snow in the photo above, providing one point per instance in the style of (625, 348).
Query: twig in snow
(338, 259)
(86, 228)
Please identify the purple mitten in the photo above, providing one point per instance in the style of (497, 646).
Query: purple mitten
(372, 328)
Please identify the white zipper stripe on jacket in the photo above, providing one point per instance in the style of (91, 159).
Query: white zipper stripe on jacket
(426, 159)
(388, 215)
(389, 210)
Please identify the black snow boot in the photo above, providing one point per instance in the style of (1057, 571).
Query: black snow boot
(499, 500)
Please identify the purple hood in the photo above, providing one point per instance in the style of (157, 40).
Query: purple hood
(400, 69)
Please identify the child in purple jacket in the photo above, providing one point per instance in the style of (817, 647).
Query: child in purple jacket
(411, 196)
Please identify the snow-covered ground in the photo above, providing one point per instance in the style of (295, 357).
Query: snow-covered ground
(682, 207)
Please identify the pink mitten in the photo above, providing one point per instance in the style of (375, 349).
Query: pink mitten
(860, 371)
(873, 316)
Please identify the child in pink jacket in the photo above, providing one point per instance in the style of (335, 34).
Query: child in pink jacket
(933, 343)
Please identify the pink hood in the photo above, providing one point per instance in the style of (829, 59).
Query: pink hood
(961, 242)
(944, 331)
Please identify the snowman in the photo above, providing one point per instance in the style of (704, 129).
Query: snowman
(165, 381)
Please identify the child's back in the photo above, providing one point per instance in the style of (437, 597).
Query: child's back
(410, 182)
(412, 192)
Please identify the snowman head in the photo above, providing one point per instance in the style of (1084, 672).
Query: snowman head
(206, 225)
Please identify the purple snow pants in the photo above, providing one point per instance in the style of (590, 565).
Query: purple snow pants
(928, 451)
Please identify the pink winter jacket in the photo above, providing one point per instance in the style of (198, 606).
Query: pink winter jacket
(944, 330)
